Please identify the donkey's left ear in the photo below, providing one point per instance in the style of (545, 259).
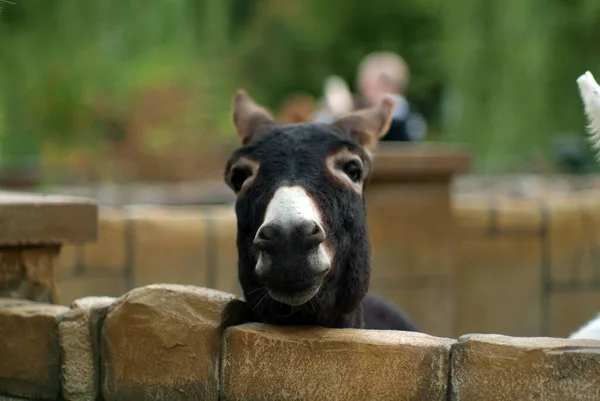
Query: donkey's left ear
(250, 119)
(367, 126)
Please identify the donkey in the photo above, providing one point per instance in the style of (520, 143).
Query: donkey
(304, 251)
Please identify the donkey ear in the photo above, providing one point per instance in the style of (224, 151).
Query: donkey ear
(250, 120)
(367, 126)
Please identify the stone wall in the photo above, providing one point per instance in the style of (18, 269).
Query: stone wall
(522, 266)
(161, 342)
(527, 267)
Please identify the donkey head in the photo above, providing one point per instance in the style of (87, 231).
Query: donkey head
(304, 253)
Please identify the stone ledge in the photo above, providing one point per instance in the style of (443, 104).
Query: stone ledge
(490, 366)
(161, 342)
(46, 219)
(30, 360)
(261, 362)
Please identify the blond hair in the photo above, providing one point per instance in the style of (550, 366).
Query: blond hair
(388, 64)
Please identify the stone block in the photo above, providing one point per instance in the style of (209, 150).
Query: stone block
(427, 300)
(571, 310)
(79, 336)
(519, 215)
(162, 342)
(67, 260)
(498, 285)
(472, 214)
(495, 367)
(261, 362)
(411, 229)
(574, 234)
(109, 251)
(29, 350)
(223, 227)
(169, 246)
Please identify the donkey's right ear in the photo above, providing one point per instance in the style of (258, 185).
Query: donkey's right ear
(250, 120)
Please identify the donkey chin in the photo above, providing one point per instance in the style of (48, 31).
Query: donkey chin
(293, 279)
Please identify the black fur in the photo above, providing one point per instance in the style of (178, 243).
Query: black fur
(378, 314)
(381, 314)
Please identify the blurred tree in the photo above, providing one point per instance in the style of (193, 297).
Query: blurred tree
(61, 59)
(497, 75)
(511, 71)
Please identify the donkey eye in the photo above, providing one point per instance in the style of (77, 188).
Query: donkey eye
(238, 176)
(353, 169)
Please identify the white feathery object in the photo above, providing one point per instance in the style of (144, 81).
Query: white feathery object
(590, 330)
(590, 94)
(338, 96)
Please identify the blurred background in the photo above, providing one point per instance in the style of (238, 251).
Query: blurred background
(129, 102)
(108, 91)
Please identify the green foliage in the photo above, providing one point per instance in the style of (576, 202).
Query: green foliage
(61, 58)
(496, 75)
(511, 73)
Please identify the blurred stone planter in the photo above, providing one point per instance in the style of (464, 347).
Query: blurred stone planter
(34, 228)
(412, 229)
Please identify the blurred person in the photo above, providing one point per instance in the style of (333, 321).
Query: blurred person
(382, 74)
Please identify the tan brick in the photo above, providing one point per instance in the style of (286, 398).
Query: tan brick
(495, 367)
(169, 246)
(224, 227)
(80, 348)
(109, 251)
(161, 341)
(519, 215)
(412, 230)
(30, 360)
(261, 362)
(29, 273)
(571, 310)
(498, 285)
(67, 260)
(427, 301)
(567, 239)
(472, 214)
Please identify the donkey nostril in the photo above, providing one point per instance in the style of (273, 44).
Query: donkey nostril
(307, 228)
(267, 233)
(316, 230)
(312, 232)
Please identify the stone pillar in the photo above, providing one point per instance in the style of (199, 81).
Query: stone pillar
(32, 231)
(412, 230)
